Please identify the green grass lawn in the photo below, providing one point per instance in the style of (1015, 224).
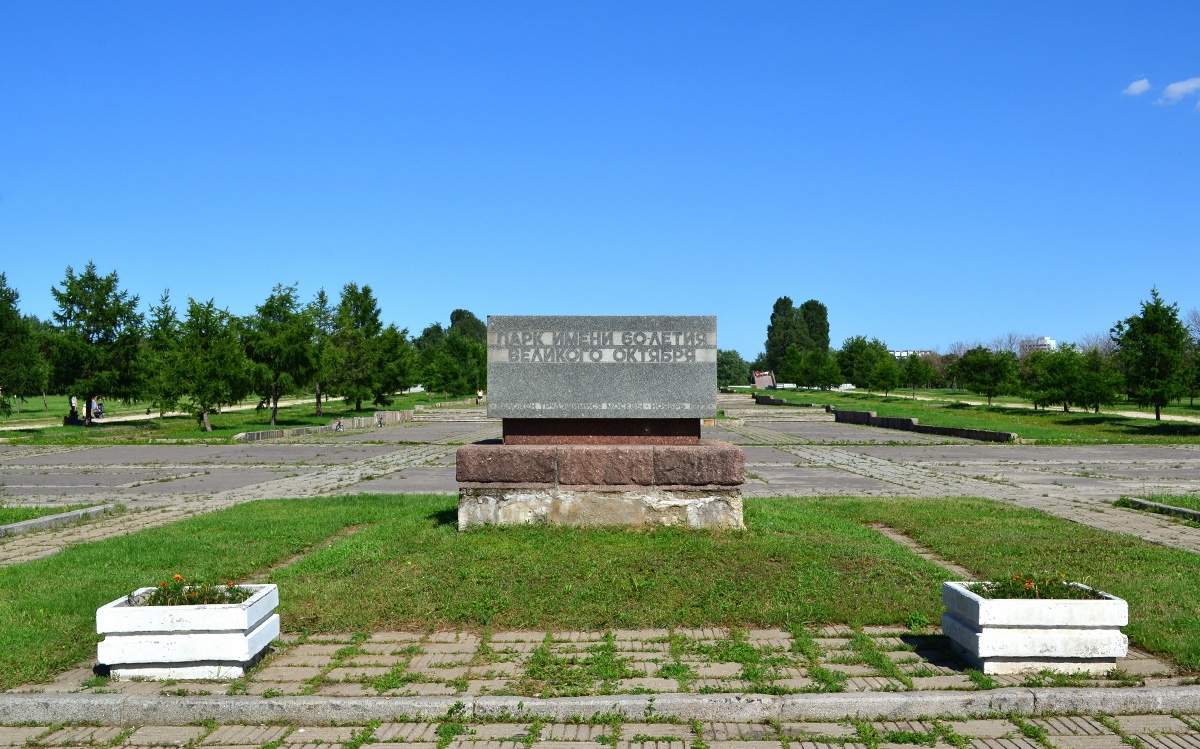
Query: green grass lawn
(225, 425)
(801, 561)
(1043, 426)
(17, 514)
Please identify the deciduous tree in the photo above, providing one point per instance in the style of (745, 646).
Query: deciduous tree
(885, 375)
(732, 369)
(916, 371)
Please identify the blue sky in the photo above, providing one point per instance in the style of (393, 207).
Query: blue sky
(932, 172)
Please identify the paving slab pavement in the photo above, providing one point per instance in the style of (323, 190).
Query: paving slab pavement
(804, 454)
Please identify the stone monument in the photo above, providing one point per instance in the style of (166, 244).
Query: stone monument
(602, 426)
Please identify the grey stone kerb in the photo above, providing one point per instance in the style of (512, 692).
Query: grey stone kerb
(114, 709)
(597, 367)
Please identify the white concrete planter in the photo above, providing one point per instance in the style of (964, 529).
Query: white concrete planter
(216, 641)
(1005, 636)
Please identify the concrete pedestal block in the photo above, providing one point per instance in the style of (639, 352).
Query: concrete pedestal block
(637, 485)
(715, 509)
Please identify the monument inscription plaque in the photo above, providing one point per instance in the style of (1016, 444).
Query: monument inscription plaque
(602, 426)
(602, 367)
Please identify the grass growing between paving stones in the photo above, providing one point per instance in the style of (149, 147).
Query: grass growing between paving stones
(18, 514)
(801, 562)
(1043, 425)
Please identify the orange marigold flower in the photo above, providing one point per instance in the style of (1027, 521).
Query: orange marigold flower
(228, 585)
(178, 578)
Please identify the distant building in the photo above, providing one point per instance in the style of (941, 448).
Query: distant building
(912, 352)
(1039, 344)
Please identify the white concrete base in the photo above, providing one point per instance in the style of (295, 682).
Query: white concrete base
(719, 509)
(1006, 636)
(158, 672)
(995, 665)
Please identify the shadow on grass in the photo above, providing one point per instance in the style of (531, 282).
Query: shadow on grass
(444, 517)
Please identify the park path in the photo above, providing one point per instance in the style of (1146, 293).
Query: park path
(144, 417)
(1029, 406)
(40, 544)
(915, 479)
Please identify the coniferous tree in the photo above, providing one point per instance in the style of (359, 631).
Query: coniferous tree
(324, 350)
(858, 357)
(357, 330)
(23, 368)
(278, 339)
(97, 352)
(160, 378)
(987, 373)
(1099, 380)
(1151, 347)
(806, 327)
(397, 366)
(210, 362)
(791, 367)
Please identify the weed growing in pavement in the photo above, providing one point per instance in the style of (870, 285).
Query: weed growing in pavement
(917, 622)
(681, 672)
(452, 724)
(573, 674)
(869, 651)
(365, 735)
(96, 680)
(981, 680)
(1051, 678)
(1030, 731)
(1122, 677)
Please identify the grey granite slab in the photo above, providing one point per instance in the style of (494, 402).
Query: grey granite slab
(596, 367)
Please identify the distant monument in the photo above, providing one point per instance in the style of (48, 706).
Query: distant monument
(602, 426)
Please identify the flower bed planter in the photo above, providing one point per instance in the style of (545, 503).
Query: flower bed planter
(1005, 636)
(216, 641)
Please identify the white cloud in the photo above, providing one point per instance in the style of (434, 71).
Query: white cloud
(1180, 89)
(1137, 88)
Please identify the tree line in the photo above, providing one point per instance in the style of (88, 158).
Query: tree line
(1151, 358)
(98, 345)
